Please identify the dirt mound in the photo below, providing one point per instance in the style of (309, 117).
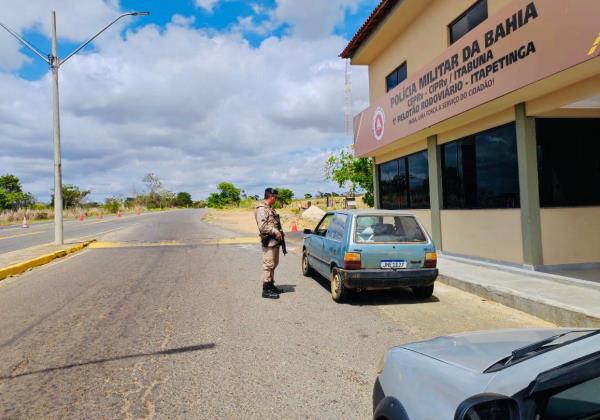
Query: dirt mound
(313, 213)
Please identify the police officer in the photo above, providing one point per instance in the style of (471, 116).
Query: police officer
(270, 239)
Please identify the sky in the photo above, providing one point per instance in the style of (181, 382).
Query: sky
(199, 92)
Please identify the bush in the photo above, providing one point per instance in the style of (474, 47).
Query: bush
(112, 205)
(248, 203)
(200, 204)
(215, 201)
(183, 199)
(284, 197)
(228, 195)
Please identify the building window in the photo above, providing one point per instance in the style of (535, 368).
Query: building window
(569, 162)
(481, 171)
(396, 77)
(468, 20)
(404, 183)
(418, 181)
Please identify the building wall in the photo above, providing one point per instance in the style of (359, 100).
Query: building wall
(489, 234)
(571, 235)
(420, 42)
(552, 103)
(424, 216)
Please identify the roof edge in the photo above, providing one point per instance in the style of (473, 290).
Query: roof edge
(371, 24)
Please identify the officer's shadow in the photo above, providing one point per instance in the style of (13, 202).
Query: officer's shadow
(287, 288)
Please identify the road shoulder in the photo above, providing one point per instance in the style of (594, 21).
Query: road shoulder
(17, 262)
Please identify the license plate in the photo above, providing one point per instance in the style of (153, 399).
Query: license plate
(393, 264)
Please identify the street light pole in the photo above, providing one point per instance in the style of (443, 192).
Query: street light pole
(55, 63)
(58, 201)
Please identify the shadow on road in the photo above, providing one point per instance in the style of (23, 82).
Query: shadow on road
(287, 288)
(378, 297)
(178, 350)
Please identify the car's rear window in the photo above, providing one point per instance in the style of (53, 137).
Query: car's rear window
(380, 228)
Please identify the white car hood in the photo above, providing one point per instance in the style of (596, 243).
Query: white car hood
(477, 351)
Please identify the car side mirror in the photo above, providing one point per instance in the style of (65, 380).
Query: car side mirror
(308, 231)
(488, 407)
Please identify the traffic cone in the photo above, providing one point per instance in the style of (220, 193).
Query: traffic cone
(25, 224)
(81, 217)
(294, 226)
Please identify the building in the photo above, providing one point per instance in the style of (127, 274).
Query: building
(484, 120)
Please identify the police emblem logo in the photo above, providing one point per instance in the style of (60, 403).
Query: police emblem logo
(595, 46)
(378, 123)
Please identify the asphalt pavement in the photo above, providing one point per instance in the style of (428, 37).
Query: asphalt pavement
(15, 237)
(168, 322)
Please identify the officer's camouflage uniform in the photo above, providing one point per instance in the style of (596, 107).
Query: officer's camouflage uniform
(267, 225)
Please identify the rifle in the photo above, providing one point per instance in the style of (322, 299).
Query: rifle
(280, 228)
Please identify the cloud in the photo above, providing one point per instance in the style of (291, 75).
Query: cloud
(313, 19)
(192, 105)
(76, 20)
(207, 5)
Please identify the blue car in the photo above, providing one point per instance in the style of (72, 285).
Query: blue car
(371, 249)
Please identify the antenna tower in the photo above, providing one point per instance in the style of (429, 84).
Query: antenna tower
(348, 99)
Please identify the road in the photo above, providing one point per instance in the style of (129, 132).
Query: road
(165, 322)
(15, 238)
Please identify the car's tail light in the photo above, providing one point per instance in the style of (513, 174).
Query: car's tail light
(430, 260)
(352, 261)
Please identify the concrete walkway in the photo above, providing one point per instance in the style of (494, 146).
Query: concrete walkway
(555, 298)
(17, 262)
(558, 299)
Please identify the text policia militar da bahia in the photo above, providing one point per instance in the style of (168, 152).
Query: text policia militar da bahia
(444, 81)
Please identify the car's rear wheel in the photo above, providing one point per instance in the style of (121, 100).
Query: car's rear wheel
(423, 292)
(339, 292)
(307, 270)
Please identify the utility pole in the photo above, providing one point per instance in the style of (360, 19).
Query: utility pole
(58, 201)
(55, 63)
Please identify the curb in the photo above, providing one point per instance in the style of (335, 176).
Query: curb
(563, 315)
(21, 267)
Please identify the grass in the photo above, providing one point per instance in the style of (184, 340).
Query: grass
(14, 217)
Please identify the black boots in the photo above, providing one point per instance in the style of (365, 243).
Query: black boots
(268, 292)
(275, 288)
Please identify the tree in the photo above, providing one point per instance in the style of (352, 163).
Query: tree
(4, 199)
(215, 201)
(184, 199)
(72, 196)
(152, 182)
(130, 202)
(10, 184)
(284, 197)
(12, 195)
(156, 196)
(200, 204)
(344, 168)
(228, 195)
(167, 199)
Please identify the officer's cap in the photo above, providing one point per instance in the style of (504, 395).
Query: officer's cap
(270, 192)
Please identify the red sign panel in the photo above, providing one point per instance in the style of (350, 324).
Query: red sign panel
(525, 42)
